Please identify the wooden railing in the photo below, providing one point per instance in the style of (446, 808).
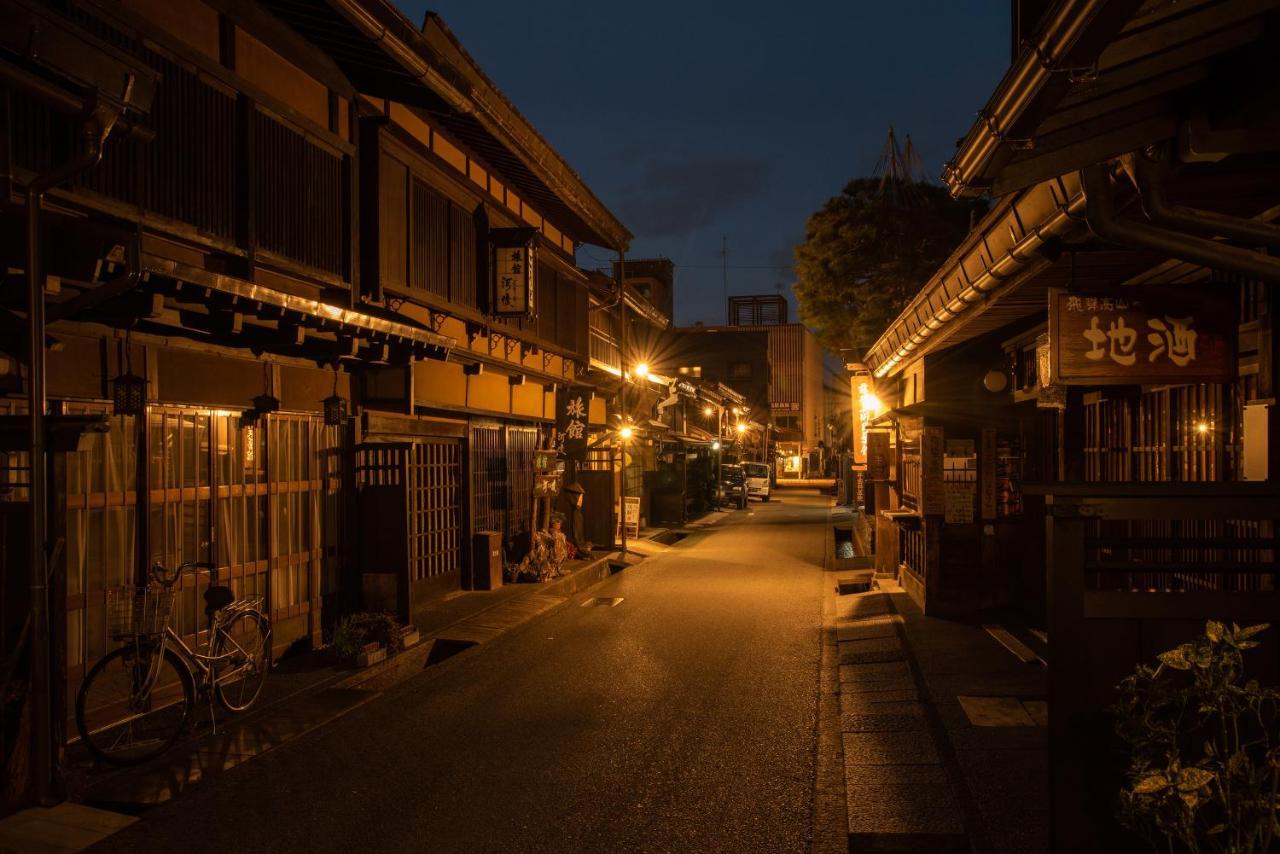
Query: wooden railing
(1133, 570)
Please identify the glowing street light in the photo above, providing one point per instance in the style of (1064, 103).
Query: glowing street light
(715, 446)
(706, 410)
(740, 427)
(625, 433)
(642, 370)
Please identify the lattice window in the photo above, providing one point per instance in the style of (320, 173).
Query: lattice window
(435, 508)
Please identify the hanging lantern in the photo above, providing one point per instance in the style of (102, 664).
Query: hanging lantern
(335, 405)
(335, 410)
(129, 394)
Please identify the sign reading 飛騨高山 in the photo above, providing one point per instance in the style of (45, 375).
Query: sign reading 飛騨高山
(1139, 336)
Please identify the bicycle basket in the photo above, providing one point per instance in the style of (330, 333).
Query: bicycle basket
(138, 612)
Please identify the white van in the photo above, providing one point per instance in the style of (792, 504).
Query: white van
(757, 477)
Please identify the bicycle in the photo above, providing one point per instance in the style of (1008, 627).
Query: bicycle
(137, 700)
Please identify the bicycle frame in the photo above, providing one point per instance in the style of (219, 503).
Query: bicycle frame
(202, 665)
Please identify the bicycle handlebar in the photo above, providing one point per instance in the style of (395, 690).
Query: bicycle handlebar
(164, 578)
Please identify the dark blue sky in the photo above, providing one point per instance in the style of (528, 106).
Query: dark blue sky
(691, 120)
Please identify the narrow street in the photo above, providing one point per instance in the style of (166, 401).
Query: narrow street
(683, 718)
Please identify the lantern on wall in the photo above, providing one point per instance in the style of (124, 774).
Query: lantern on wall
(1049, 395)
(128, 390)
(128, 394)
(335, 405)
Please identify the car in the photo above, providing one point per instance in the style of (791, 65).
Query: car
(733, 486)
(757, 476)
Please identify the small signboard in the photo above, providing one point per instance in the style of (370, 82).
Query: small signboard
(878, 455)
(512, 271)
(633, 516)
(573, 404)
(1138, 336)
(931, 467)
(987, 472)
(958, 503)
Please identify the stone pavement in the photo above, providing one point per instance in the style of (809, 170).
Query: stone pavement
(942, 731)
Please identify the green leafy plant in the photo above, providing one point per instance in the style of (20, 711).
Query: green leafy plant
(1203, 748)
(356, 630)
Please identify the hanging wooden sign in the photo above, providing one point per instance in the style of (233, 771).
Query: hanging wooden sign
(878, 455)
(513, 262)
(931, 466)
(1138, 336)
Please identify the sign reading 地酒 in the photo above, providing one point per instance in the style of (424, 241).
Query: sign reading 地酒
(512, 266)
(1139, 336)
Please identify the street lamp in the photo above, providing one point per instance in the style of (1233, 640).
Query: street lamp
(625, 432)
(740, 427)
(706, 410)
(642, 370)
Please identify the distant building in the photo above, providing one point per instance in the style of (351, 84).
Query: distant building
(778, 366)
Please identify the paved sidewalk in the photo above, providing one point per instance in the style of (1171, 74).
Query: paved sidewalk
(942, 731)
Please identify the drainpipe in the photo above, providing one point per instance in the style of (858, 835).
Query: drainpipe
(1101, 215)
(97, 125)
(1149, 176)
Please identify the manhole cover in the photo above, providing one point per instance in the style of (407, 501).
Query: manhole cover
(602, 602)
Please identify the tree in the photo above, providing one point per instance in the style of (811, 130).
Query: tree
(867, 252)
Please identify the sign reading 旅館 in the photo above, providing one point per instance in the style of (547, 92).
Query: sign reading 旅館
(1139, 336)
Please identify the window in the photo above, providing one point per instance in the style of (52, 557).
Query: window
(695, 371)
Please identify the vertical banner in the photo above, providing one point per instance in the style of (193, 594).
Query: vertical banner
(512, 270)
(987, 472)
(931, 454)
(572, 403)
(878, 455)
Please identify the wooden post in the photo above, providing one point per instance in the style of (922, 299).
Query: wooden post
(1065, 553)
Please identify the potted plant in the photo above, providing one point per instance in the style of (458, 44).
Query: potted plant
(1203, 748)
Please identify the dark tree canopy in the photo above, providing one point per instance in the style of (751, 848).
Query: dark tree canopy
(867, 252)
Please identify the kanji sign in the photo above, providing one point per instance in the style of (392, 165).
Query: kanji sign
(512, 269)
(572, 406)
(1138, 336)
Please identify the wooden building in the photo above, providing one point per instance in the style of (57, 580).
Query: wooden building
(1082, 397)
(310, 295)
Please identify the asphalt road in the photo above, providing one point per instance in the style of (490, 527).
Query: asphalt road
(683, 719)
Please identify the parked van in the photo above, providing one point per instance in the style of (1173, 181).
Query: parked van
(757, 476)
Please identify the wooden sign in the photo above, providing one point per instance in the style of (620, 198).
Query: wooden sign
(987, 472)
(633, 516)
(878, 455)
(512, 271)
(958, 503)
(572, 406)
(1140, 336)
(931, 453)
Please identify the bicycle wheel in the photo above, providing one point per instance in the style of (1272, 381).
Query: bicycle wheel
(119, 726)
(248, 639)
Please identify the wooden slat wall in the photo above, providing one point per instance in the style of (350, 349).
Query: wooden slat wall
(299, 196)
(786, 367)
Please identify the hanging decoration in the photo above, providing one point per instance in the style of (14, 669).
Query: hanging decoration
(128, 390)
(335, 405)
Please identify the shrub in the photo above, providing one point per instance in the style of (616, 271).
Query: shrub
(1203, 748)
(356, 630)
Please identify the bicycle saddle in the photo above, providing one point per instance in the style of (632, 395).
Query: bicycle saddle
(216, 598)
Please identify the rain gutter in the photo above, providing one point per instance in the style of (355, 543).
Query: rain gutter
(996, 272)
(1048, 52)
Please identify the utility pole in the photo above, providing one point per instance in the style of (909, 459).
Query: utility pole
(622, 392)
(724, 274)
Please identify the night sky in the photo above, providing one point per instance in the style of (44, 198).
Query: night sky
(693, 120)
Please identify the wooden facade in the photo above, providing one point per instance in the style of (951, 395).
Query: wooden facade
(299, 215)
(1123, 497)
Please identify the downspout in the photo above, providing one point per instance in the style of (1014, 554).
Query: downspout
(1101, 215)
(622, 389)
(1148, 177)
(97, 126)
